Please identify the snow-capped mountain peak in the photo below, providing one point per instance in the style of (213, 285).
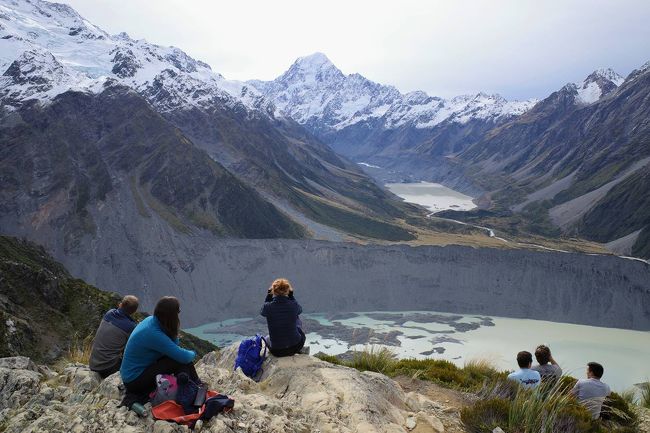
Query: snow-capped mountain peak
(597, 84)
(606, 74)
(313, 62)
(312, 70)
(314, 91)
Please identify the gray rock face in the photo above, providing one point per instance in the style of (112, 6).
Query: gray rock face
(229, 279)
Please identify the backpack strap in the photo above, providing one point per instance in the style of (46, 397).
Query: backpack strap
(261, 339)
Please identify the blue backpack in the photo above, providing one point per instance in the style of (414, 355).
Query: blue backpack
(251, 356)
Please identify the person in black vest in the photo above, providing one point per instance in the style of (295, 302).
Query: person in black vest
(281, 311)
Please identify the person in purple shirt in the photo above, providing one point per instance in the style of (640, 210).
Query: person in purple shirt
(153, 348)
(592, 392)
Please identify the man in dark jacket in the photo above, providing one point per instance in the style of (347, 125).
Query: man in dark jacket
(281, 311)
(111, 337)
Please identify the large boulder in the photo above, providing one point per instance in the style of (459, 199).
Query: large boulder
(300, 392)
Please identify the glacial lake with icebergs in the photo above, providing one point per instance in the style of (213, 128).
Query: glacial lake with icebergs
(460, 338)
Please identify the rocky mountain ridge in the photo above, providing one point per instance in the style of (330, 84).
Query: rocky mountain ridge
(579, 169)
(281, 174)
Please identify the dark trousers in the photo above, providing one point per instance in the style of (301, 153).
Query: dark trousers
(146, 382)
(278, 353)
(107, 372)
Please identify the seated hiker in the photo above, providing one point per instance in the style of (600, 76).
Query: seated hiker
(153, 349)
(111, 337)
(525, 376)
(591, 392)
(281, 311)
(548, 369)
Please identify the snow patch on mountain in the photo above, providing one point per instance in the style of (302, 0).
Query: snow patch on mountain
(37, 74)
(313, 90)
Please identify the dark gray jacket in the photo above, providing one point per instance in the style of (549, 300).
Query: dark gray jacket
(110, 339)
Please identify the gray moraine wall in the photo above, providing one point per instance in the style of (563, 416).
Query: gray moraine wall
(217, 279)
(228, 279)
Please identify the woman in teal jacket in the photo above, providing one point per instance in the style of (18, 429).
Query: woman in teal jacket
(153, 349)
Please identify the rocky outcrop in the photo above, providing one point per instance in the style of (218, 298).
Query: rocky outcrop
(297, 394)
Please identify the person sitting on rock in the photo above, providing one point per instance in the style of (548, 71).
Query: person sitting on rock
(591, 392)
(548, 369)
(153, 349)
(111, 337)
(525, 376)
(281, 311)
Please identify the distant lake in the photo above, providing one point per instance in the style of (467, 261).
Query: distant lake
(433, 196)
(460, 338)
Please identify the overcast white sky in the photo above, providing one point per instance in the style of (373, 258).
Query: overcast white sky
(519, 48)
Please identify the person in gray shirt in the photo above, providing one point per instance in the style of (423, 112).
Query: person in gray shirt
(591, 392)
(547, 368)
(111, 337)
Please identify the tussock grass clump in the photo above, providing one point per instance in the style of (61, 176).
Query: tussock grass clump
(486, 415)
(80, 349)
(544, 410)
(644, 399)
(548, 409)
(472, 377)
(435, 370)
(374, 358)
(481, 371)
(629, 395)
(329, 358)
(618, 410)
